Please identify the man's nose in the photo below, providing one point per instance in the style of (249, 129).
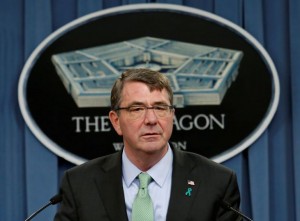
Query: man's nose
(150, 116)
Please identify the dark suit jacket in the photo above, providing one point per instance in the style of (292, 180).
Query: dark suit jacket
(93, 191)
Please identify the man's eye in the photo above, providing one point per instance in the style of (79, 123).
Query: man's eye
(136, 109)
(160, 108)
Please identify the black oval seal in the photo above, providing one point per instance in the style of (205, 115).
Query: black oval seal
(226, 85)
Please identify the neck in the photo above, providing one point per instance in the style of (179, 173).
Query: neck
(143, 160)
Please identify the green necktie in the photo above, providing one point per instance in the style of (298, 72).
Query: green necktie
(142, 208)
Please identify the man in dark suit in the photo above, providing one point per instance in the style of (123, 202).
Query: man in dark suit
(183, 186)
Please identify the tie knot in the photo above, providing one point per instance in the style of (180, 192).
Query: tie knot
(145, 179)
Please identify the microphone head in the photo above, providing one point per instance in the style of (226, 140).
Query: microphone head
(56, 199)
(224, 204)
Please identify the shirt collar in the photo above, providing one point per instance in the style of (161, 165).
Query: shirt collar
(158, 172)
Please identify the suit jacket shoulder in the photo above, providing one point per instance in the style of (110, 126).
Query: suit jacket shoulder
(93, 191)
(198, 184)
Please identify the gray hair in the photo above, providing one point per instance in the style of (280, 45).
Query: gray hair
(153, 79)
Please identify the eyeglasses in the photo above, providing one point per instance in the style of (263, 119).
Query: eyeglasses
(138, 111)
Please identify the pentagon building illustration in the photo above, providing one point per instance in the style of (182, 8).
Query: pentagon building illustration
(199, 74)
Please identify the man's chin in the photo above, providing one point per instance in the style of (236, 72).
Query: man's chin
(154, 147)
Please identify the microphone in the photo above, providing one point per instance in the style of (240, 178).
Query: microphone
(54, 200)
(227, 206)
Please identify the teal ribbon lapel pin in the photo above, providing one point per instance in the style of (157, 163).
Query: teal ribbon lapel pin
(189, 189)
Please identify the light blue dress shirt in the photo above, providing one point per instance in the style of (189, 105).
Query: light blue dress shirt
(159, 188)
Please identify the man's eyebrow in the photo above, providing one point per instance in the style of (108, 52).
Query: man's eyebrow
(160, 103)
(137, 103)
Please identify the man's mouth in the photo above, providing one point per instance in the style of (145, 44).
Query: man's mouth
(149, 135)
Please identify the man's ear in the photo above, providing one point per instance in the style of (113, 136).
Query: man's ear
(114, 119)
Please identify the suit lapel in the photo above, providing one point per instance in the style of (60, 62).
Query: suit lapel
(109, 184)
(184, 188)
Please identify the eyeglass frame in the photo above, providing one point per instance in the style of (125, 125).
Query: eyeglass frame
(169, 108)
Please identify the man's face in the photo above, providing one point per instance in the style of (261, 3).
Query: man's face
(149, 133)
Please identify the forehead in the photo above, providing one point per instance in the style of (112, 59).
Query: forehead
(140, 92)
